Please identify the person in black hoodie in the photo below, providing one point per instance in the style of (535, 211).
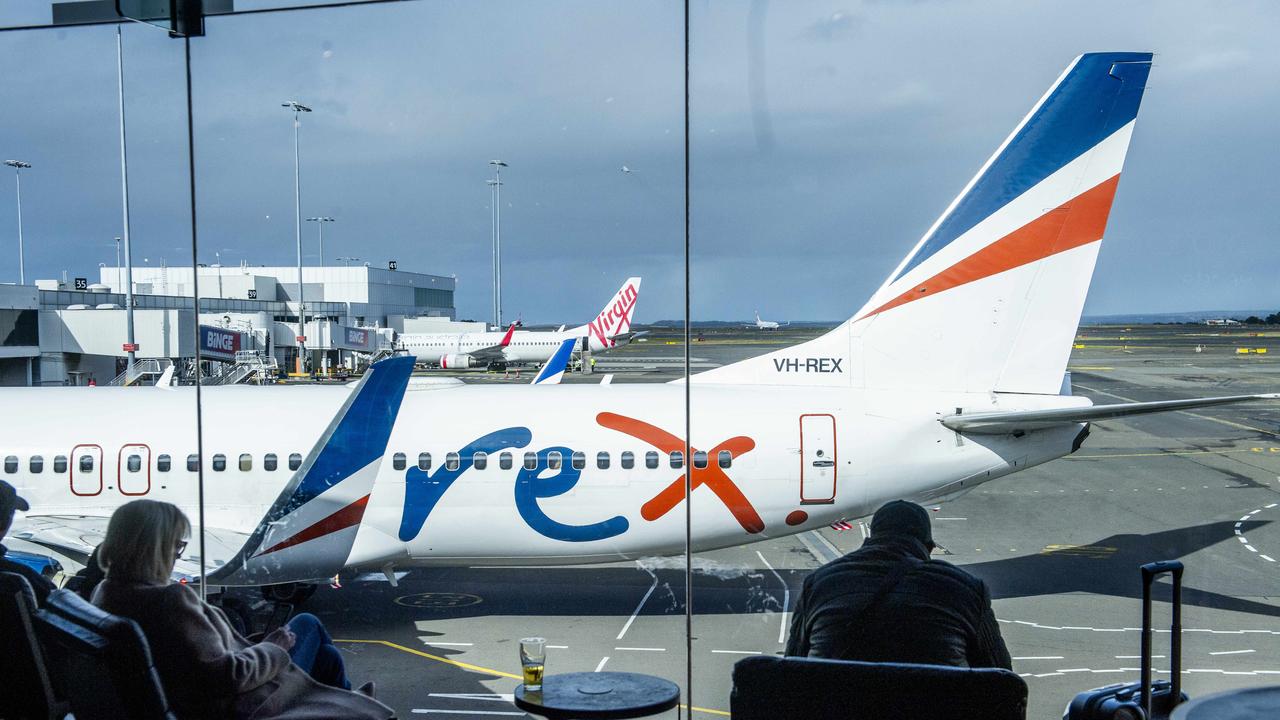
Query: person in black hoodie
(9, 502)
(889, 602)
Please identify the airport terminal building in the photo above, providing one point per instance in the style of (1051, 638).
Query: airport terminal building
(74, 330)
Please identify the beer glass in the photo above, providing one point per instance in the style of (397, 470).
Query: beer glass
(533, 658)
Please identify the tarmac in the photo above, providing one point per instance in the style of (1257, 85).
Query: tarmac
(1059, 545)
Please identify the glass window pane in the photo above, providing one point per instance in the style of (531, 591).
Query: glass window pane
(504, 461)
(480, 460)
(60, 464)
(578, 459)
(269, 462)
(452, 461)
(677, 459)
(193, 463)
(602, 460)
(424, 461)
(627, 460)
(246, 462)
(398, 461)
(295, 461)
(724, 458)
(554, 460)
(163, 463)
(86, 463)
(651, 460)
(531, 461)
(219, 462)
(134, 463)
(11, 464)
(699, 459)
(37, 464)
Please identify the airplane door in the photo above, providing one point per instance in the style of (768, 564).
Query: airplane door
(817, 459)
(86, 470)
(133, 469)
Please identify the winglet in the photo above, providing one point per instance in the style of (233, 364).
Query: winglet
(308, 532)
(553, 370)
(506, 339)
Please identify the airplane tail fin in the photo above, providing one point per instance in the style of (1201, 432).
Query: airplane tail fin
(990, 298)
(552, 372)
(615, 319)
(310, 529)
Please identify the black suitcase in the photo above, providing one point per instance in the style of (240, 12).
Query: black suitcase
(1142, 700)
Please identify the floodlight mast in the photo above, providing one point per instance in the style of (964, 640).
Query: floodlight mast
(496, 184)
(320, 221)
(297, 109)
(18, 166)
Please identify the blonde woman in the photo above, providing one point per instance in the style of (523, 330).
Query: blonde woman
(208, 670)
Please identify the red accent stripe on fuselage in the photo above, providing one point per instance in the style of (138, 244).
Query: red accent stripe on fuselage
(1077, 222)
(344, 518)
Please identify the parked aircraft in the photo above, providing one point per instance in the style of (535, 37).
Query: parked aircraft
(948, 377)
(610, 328)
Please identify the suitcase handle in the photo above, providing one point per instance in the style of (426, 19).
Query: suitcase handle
(1150, 572)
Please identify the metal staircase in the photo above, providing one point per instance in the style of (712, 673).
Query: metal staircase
(142, 372)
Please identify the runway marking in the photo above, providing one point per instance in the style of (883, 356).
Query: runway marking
(599, 667)
(738, 652)
(709, 711)
(557, 647)
(1231, 652)
(786, 598)
(643, 600)
(496, 697)
(1039, 657)
(437, 658)
(819, 547)
(1170, 453)
(1244, 540)
(1103, 671)
(431, 711)
(1138, 657)
(640, 649)
(1039, 626)
(451, 644)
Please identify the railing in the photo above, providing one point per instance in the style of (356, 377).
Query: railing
(140, 369)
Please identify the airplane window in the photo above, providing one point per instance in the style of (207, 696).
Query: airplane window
(397, 461)
(295, 461)
(651, 460)
(724, 458)
(602, 460)
(699, 459)
(628, 460)
(11, 464)
(451, 461)
(480, 460)
(579, 460)
(246, 462)
(677, 459)
(86, 463)
(424, 461)
(219, 462)
(60, 463)
(554, 460)
(269, 462)
(163, 463)
(134, 463)
(37, 464)
(193, 463)
(504, 461)
(531, 461)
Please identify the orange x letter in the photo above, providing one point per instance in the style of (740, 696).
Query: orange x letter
(712, 475)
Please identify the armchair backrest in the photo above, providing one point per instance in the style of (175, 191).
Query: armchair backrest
(25, 691)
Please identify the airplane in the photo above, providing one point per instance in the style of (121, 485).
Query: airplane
(611, 328)
(766, 324)
(950, 376)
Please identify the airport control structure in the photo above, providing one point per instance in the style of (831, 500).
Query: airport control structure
(73, 331)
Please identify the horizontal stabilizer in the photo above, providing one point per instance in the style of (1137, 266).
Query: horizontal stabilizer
(1004, 423)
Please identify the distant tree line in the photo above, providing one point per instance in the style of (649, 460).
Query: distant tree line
(1272, 319)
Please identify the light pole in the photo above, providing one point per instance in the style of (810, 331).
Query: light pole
(496, 184)
(320, 221)
(346, 261)
(297, 109)
(18, 166)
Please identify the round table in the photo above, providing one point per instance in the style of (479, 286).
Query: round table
(1259, 703)
(591, 695)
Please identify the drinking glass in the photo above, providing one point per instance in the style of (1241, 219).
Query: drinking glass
(533, 658)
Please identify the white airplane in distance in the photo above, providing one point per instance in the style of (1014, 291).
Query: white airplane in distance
(948, 377)
(766, 324)
(611, 328)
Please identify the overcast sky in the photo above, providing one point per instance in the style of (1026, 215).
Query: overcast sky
(827, 137)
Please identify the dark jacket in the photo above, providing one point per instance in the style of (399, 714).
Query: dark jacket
(39, 583)
(210, 671)
(936, 614)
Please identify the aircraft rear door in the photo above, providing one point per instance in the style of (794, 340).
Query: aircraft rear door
(86, 469)
(133, 469)
(817, 459)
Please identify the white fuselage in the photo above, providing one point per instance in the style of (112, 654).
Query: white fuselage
(875, 448)
(525, 346)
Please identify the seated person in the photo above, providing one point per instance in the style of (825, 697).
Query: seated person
(209, 670)
(10, 502)
(889, 602)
